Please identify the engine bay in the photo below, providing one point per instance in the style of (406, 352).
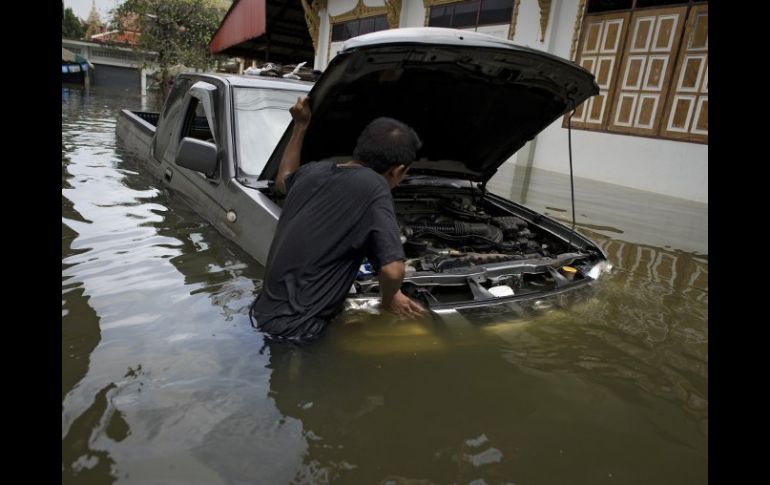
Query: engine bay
(461, 245)
(442, 232)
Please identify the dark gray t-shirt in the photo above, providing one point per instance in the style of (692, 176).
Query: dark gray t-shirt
(332, 218)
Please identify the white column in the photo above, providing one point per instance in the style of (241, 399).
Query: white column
(322, 52)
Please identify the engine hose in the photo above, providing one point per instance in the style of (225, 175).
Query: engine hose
(475, 259)
(502, 246)
(485, 231)
(464, 212)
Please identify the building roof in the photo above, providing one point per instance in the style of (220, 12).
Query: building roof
(69, 57)
(116, 37)
(270, 30)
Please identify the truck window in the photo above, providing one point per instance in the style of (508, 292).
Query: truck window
(196, 125)
(261, 117)
(171, 112)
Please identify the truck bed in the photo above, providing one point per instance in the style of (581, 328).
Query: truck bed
(135, 130)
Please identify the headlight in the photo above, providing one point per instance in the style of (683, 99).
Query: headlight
(599, 269)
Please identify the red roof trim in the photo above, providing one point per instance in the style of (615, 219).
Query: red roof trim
(244, 20)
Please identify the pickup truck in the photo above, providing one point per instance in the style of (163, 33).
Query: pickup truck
(473, 99)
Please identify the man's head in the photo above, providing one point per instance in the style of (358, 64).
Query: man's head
(388, 147)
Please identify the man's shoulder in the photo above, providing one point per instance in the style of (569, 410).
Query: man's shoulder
(315, 166)
(367, 175)
(361, 178)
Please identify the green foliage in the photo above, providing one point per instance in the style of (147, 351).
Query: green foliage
(71, 27)
(178, 30)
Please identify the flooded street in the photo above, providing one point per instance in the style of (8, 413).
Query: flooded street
(165, 381)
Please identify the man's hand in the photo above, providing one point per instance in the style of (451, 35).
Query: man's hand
(404, 306)
(300, 112)
(393, 300)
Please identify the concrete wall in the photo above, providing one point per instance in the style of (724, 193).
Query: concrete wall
(676, 169)
(667, 167)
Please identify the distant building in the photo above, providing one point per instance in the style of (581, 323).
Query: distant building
(128, 34)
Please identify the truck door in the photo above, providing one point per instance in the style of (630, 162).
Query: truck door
(201, 190)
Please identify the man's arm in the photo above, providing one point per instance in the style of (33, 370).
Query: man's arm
(393, 300)
(300, 112)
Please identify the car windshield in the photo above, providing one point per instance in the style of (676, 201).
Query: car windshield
(261, 117)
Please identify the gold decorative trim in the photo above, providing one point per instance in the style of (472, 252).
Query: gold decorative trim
(514, 17)
(545, 11)
(576, 30)
(313, 18)
(394, 12)
(360, 11)
(436, 3)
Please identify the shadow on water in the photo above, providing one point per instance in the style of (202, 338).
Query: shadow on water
(163, 380)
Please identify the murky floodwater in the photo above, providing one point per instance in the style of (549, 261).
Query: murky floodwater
(165, 381)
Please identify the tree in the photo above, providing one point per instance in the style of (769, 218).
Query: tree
(71, 27)
(177, 30)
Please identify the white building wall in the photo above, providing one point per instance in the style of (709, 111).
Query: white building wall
(528, 25)
(412, 13)
(560, 28)
(667, 167)
(322, 48)
(337, 7)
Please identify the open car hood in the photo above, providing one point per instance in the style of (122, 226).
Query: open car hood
(473, 99)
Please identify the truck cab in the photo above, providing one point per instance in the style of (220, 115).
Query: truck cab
(211, 142)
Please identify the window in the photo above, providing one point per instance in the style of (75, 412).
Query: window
(171, 110)
(196, 125)
(686, 114)
(650, 60)
(345, 30)
(261, 117)
(597, 6)
(471, 14)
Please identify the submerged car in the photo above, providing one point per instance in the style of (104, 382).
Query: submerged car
(473, 99)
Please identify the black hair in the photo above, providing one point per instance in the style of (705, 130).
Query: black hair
(386, 142)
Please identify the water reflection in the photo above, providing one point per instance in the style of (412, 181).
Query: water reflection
(164, 380)
(517, 397)
(618, 212)
(174, 390)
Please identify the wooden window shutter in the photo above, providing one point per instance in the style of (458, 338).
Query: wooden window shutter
(646, 69)
(601, 42)
(686, 114)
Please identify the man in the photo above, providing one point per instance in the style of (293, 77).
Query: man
(334, 216)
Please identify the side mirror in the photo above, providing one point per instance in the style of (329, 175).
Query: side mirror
(197, 155)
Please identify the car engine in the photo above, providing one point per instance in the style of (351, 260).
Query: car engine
(449, 231)
(464, 247)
